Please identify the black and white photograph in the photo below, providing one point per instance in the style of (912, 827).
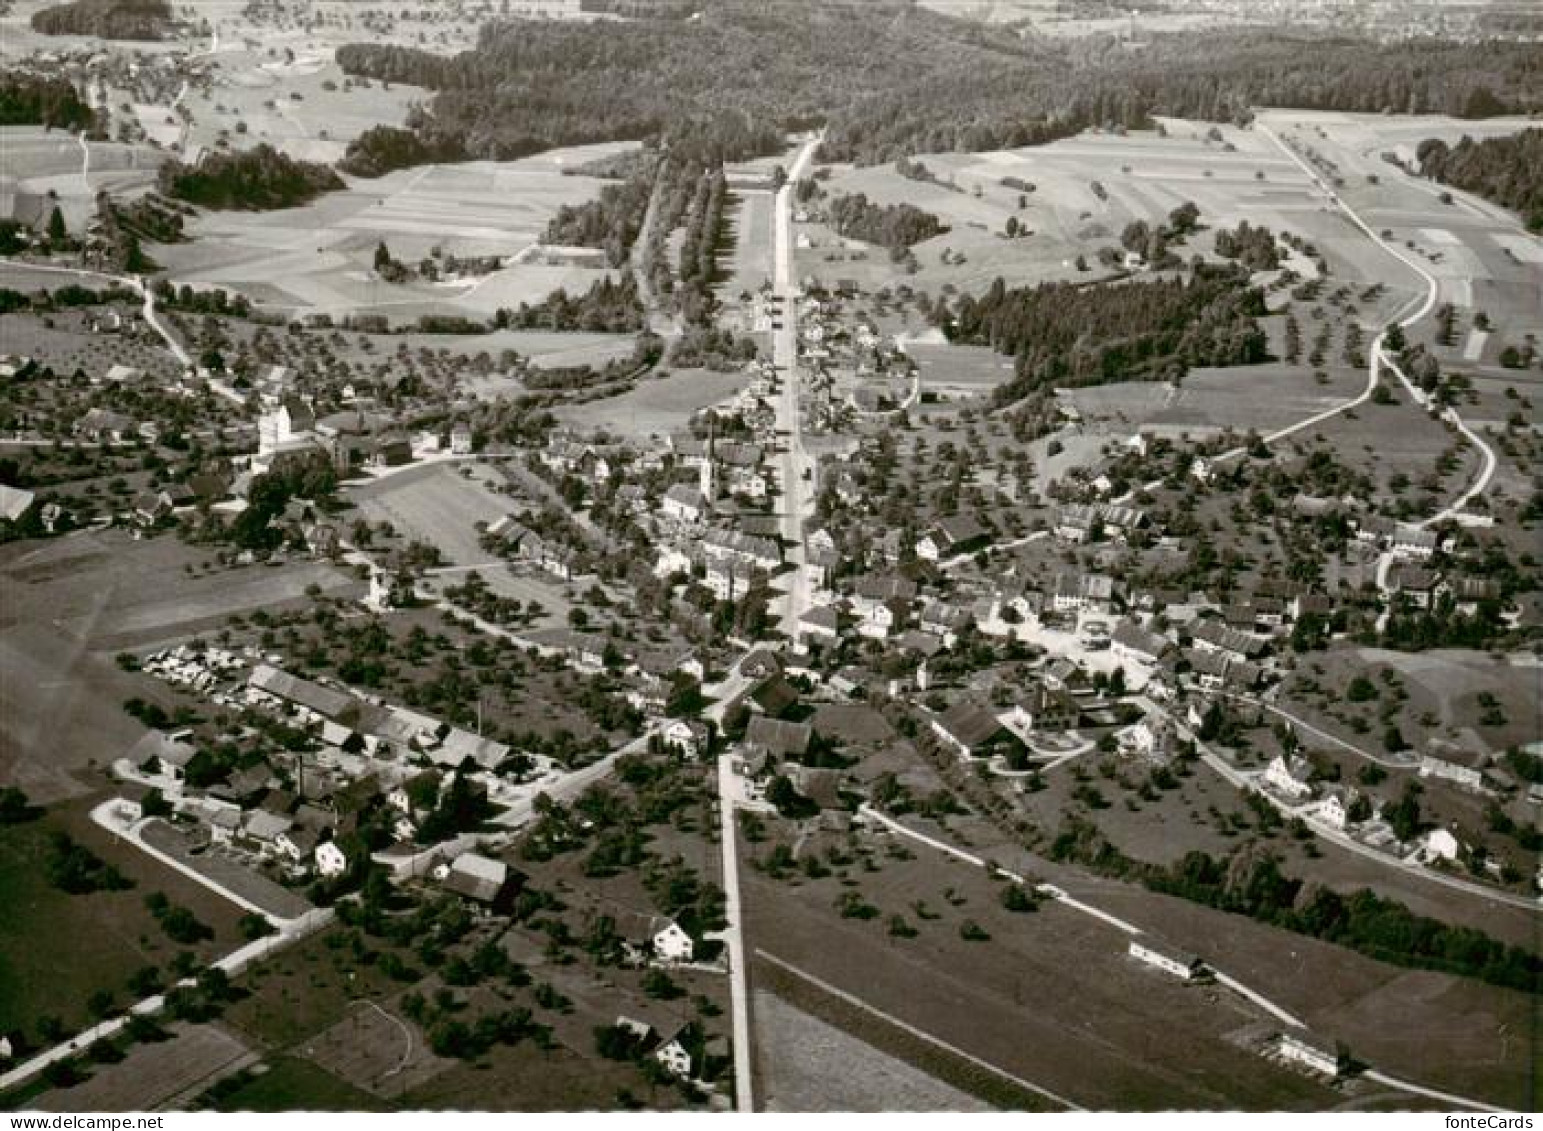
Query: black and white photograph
(891, 557)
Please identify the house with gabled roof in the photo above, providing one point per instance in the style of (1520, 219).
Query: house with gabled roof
(974, 731)
(778, 737)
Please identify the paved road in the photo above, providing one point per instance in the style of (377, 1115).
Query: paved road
(134, 282)
(794, 462)
(289, 931)
(723, 694)
(1378, 357)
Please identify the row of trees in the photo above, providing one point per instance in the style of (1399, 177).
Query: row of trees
(1507, 170)
(699, 249)
(1064, 334)
(1250, 882)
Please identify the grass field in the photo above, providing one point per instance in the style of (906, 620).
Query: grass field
(437, 505)
(656, 407)
(158, 1075)
(1262, 397)
(292, 1083)
(807, 1064)
(319, 256)
(110, 935)
(1051, 997)
(1333, 989)
(750, 266)
(959, 372)
(76, 600)
(373, 1049)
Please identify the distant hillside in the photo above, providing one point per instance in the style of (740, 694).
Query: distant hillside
(33, 100)
(1506, 170)
(106, 19)
(889, 79)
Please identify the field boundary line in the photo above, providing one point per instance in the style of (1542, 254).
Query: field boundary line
(920, 1034)
(1221, 977)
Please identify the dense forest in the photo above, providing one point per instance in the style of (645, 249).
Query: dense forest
(1253, 247)
(1507, 170)
(254, 180)
(611, 222)
(607, 307)
(1069, 334)
(33, 100)
(380, 149)
(105, 19)
(892, 226)
(890, 79)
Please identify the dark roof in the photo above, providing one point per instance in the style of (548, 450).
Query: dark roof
(777, 736)
(971, 724)
(774, 696)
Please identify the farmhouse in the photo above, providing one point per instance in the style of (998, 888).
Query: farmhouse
(1314, 1052)
(1454, 764)
(479, 878)
(1211, 636)
(958, 534)
(1290, 776)
(1166, 958)
(778, 736)
(1132, 642)
(974, 731)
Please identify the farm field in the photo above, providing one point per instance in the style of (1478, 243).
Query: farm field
(1028, 990)
(76, 600)
(1333, 989)
(1479, 253)
(750, 266)
(438, 505)
(1262, 397)
(292, 1083)
(959, 372)
(658, 406)
(156, 1075)
(111, 933)
(806, 1064)
(319, 257)
(41, 162)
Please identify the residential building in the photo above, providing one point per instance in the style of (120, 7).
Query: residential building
(1290, 776)
(1168, 959)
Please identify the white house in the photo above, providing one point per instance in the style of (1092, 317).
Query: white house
(1288, 775)
(672, 943)
(330, 860)
(1167, 959)
(688, 737)
(676, 1060)
(1439, 844)
(1311, 1051)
